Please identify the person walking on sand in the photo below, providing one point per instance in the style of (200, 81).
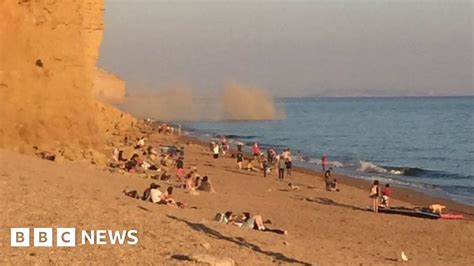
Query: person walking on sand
(266, 167)
(281, 168)
(225, 145)
(375, 195)
(240, 159)
(255, 151)
(325, 162)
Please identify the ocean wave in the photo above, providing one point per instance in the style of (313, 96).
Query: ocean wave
(233, 136)
(369, 167)
(334, 164)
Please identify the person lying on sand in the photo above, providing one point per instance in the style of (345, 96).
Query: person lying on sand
(131, 193)
(250, 166)
(293, 187)
(246, 220)
(206, 185)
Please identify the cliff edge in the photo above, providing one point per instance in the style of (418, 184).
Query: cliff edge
(48, 55)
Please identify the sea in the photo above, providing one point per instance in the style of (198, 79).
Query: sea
(423, 143)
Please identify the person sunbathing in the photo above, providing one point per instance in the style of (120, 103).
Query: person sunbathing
(246, 220)
(250, 167)
(293, 187)
(131, 193)
(206, 185)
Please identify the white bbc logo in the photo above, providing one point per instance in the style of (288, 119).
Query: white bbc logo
(66, 237)
(42, 237)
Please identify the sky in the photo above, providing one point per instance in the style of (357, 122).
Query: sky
(294, 48)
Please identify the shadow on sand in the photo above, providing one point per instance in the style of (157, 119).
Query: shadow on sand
(327, 201)
(241, 172)
(238, 241)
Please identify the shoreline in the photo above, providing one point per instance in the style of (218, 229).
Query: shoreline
(408, 195)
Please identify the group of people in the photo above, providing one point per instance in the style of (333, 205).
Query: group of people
(146, 158)
(219, 148)
(153, 194)
(282, 162)
(192, 181)
(168, 129)
(380, 197)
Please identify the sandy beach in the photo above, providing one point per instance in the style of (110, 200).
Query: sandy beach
(325, 228)
(59, 131)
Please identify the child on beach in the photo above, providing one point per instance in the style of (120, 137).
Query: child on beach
(386, 193)
(334, 186)
(375, 195)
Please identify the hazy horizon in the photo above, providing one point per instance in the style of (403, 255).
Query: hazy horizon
(320, 48)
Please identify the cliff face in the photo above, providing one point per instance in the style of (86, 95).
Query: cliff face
(48, 53)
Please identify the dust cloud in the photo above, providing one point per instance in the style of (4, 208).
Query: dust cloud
(182, 103)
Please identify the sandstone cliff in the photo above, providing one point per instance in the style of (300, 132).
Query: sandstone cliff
(48, 53)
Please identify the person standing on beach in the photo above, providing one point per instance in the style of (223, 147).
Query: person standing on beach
(240, 158)
(288, 162)
(375, 196)
(215, 150)
(225, 145)
(325, 162)
(281, 168)
(180, 168)
(255, 151)
(266, 167)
